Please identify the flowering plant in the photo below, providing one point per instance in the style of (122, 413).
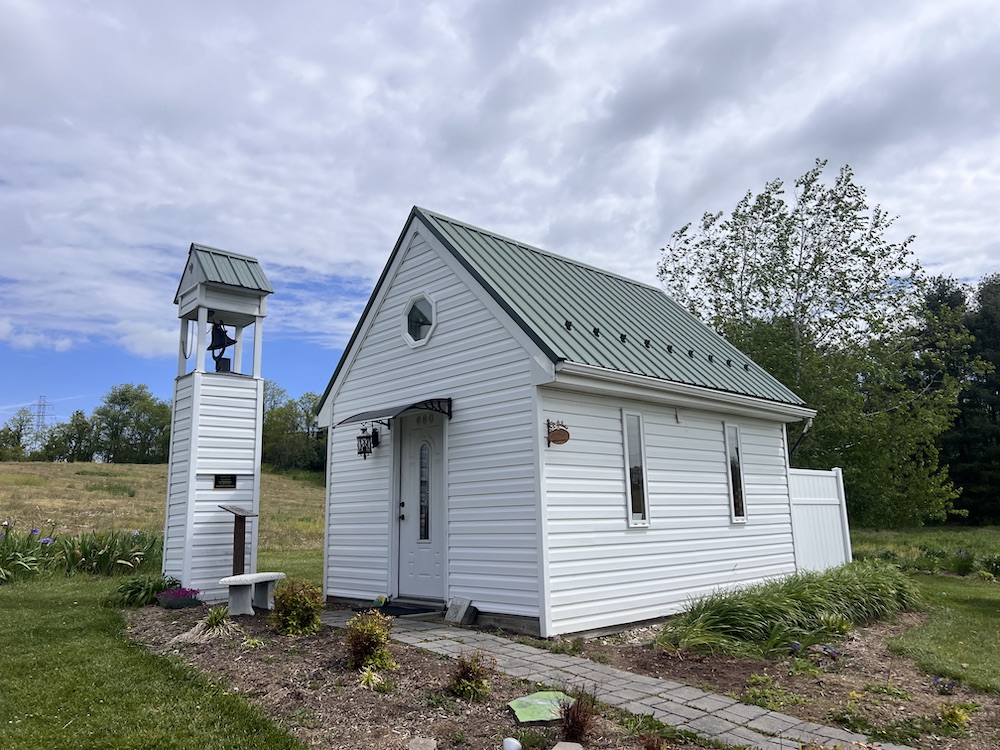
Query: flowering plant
(178, 597)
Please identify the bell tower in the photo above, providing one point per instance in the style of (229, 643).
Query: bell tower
(215, 431)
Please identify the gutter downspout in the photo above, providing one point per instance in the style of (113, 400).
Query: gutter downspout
(809, 424)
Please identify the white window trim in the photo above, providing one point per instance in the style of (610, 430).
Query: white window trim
(404, 328)
(726, 426)
(633, 523)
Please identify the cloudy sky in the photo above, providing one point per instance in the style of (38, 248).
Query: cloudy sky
(302, 133)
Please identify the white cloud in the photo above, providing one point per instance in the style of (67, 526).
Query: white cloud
(303, 134)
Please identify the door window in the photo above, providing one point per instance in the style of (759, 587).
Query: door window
(425, 492)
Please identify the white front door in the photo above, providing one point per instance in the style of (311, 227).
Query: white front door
(422, 507)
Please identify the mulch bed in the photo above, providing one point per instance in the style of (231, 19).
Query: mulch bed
(305, 684)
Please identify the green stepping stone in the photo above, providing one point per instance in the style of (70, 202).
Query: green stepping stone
(539, 708)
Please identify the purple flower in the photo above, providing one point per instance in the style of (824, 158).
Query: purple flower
(944, 687)
(179, 593)
(47, 540)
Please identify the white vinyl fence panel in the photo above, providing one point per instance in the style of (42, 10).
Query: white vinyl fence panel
(819, 519)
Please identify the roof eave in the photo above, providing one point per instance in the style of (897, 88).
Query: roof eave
(575, 374)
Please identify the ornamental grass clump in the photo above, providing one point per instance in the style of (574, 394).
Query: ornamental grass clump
(367, 641)
(108, 553)
(297, 607)
(578, 716)
(804, 609)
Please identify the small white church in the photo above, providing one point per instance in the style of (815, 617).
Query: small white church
(566, 448)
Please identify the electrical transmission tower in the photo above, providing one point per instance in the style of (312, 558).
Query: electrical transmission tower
(43, 413)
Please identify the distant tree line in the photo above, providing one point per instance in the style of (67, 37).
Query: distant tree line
(132, 426)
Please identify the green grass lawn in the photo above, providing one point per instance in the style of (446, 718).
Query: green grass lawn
(307, 564)
(906, 543)
(963, 628)
(70, 679)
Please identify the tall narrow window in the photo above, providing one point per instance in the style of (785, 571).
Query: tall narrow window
(425, 492)
(635, 470)
(737, 492)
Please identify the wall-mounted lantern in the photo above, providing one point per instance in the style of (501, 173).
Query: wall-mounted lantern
(556, 433)
(367, 442)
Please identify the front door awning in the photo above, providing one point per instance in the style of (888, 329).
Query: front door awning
(439, 405)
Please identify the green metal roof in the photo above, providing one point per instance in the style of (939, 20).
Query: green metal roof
(231, 269)
(582, 314)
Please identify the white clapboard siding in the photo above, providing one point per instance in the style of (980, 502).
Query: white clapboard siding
(492, 550)
(819, 519)
(357, 518)
(603, 573)
(215, 430)
(177, 521)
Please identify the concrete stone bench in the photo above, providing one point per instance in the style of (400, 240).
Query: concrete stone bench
(251, 590)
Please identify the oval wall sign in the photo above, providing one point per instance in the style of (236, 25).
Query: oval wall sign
(558, 435)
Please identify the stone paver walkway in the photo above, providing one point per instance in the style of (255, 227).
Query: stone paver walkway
(717, 717)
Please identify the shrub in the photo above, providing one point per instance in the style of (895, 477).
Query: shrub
(804, 609)
(578, 716)
(141, 591)
(991, 564)
(469, 681)
(367, 641)
(297, 607)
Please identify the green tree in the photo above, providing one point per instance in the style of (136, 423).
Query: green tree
(971, 447)
(16, 435)
(71, 441)
(132, 426)
(291, 438)
(817, 293)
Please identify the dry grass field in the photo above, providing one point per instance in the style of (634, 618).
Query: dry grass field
(80, 497)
